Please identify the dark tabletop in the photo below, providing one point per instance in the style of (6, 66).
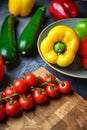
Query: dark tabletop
(33, 62)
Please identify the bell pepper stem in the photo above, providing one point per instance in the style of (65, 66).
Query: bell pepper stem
(59, 47)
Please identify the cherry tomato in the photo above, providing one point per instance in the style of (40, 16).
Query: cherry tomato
(31, 79)
(26, 102)
(41, 82)
(2, 113)
(20, 86)
(1, 96)
(64, 87)
(40, 96)
(50, 78)
(1, 68)
(12, 108)
(52, 90)
(10, 91)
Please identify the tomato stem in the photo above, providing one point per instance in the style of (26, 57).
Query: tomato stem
(52, 87)
(42, 84)
(9, 97)
(60, 81)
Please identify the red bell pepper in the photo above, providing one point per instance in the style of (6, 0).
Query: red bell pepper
(62, 9)
(1, 68)
(83, 52)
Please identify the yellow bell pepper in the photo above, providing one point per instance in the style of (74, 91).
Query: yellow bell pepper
(20, 7)
(60, 45)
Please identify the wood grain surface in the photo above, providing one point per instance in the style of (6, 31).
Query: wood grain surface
(69, 112)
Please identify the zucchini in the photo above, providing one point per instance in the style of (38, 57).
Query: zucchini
(27, 39)
(7, 40)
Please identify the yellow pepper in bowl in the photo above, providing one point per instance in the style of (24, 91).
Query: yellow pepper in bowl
(60, 45)
(20, 7)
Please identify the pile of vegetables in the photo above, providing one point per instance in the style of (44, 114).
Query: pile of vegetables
(26, 42)
(59, 47)
(63, 43)
(9, 47)
(25, 93)
(27, 39)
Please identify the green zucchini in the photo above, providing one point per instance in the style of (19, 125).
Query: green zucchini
(7, 40)
(27, 39)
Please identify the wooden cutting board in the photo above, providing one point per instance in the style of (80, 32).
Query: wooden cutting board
(69, 112)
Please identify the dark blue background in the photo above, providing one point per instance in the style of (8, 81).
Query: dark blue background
(34, 61)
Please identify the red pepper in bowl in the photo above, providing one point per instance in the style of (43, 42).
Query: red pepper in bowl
(62, 9)
(1, 68)
(83, 52)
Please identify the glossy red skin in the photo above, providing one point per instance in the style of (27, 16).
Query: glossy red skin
(1, 68)
(26, 103)
(58, 11)
(2, 113)
(41, 80)
(31, 79)
(72, 7)
(84, 62)
(64, 87)
(83, 48)
(52, 90)
(13, 109)
(62, 9)
(40, 96)
(2, 95)
(20, 86)
(50, 78)
(83, 52)
(9, 91)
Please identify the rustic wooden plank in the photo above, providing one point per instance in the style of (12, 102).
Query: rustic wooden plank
(68, 112)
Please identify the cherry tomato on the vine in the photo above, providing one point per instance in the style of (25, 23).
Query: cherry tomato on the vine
(9, 91)
(26, 102)
(52, 90)
(12, 108)
(41, 80)
(2, 113)
(1, 96)
(20, 86)
(64, 87)
(40, 96)
(31, 79)
(50, 78)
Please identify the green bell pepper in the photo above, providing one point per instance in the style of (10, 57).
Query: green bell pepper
(81, 28)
